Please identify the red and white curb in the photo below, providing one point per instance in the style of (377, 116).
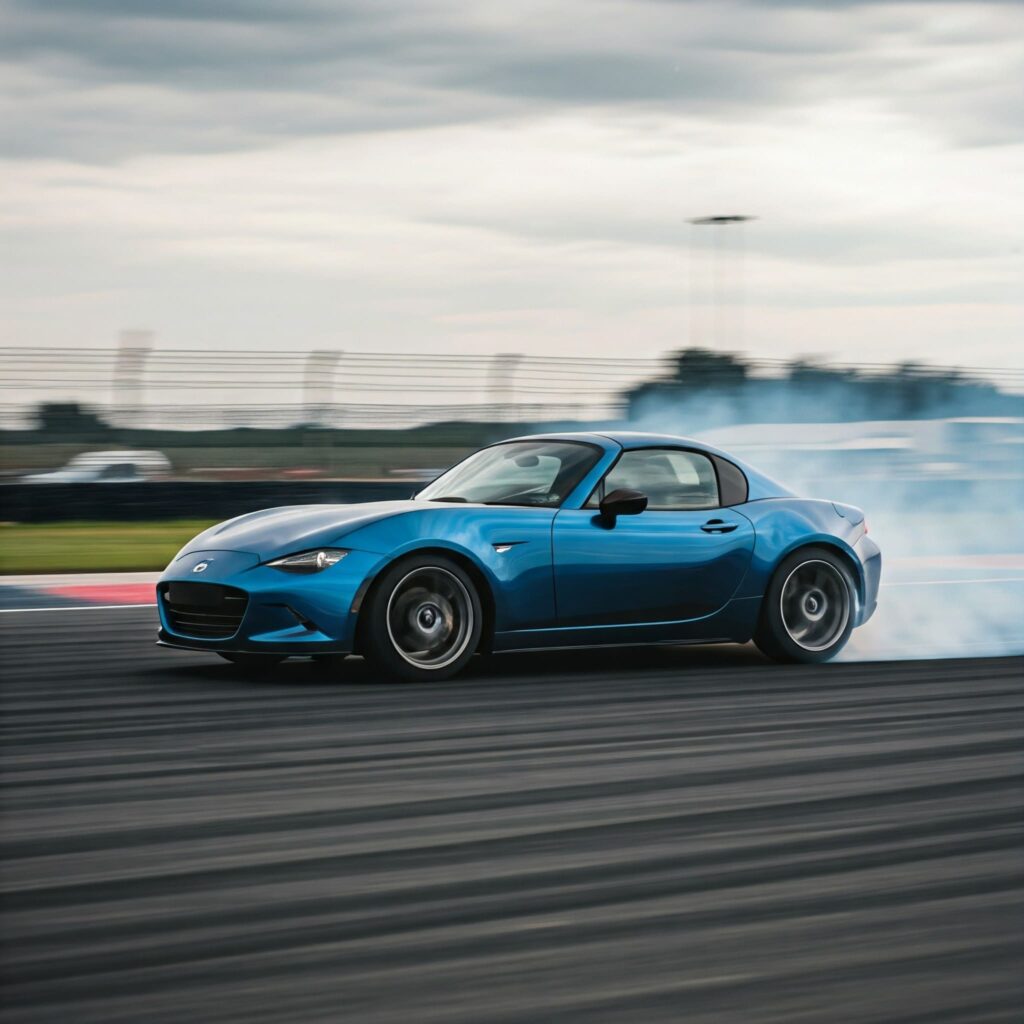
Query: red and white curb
(75, 591)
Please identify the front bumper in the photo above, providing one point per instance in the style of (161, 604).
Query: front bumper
(285, 613)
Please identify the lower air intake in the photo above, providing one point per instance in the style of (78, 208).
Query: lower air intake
(206, 611)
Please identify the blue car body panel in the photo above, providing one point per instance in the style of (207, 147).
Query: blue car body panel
(550, 577)
(654, 567)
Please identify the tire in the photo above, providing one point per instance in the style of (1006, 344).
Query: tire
(808, 610)
(422, 619)
(256, 662)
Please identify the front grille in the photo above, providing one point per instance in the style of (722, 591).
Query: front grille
(207, 611)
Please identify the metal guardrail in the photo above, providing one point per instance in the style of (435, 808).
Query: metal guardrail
(51, 503)
(219, 500)
(139, 385)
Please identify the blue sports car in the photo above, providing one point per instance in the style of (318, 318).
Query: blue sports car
(570, 540)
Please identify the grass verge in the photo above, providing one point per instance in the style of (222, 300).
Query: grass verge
(93, 546)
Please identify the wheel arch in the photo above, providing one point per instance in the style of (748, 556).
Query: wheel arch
(842, 553)
(464, 561)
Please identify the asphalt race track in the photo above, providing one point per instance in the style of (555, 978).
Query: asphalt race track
(668, 835)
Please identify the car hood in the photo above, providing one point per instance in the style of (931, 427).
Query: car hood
(282, 531)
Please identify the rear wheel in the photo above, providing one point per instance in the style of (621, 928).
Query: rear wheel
(808, 610)
(257, 662)
(422, 620)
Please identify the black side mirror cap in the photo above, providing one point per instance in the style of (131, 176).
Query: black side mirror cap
(622, 502)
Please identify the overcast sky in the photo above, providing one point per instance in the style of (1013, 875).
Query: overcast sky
(515, 175)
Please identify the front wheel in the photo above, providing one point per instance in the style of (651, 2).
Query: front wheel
(808, 610)
(422, 620)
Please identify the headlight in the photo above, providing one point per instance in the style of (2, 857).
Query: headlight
(310, 561)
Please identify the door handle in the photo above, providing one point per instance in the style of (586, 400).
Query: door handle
(718, 526)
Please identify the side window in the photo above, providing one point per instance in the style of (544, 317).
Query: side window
(118, 471)
(671, 479)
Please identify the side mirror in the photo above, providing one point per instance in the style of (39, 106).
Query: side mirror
(622, 502)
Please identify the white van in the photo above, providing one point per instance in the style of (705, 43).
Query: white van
(107, 467)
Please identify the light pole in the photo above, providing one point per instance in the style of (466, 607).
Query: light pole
(501, 383)
(133, 351)
(318, 398)
(318, 386)
(718, 223)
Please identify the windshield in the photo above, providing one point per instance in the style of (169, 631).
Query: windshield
(537, 473)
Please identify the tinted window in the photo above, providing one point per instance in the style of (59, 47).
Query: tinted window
(118, 471)
(517, 473)
(670, 478)
(731, 481)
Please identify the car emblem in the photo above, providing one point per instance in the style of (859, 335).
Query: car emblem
(200, 566)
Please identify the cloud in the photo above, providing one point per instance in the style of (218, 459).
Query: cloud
(118, 78)
(408, 172)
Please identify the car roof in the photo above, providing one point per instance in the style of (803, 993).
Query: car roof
(636, 439)
(626, 439)
(122, 455)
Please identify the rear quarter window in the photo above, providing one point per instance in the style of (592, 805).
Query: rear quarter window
(732, 482)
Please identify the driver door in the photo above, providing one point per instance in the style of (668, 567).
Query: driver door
(682, 558)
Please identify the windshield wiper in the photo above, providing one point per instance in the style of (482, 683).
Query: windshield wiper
(518, 503)
(451, 497)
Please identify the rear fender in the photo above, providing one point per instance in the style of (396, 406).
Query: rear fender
(782, 525)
